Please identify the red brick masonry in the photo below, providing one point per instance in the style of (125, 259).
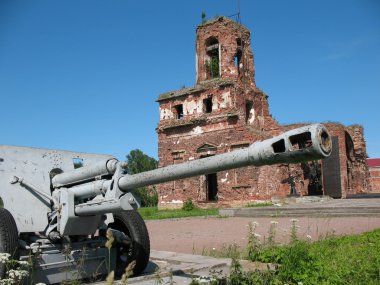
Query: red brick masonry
(225, 111)
(374, 172)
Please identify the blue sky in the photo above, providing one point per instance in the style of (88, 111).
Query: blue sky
(84, 74)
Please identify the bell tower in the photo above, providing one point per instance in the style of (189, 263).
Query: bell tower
(222, 112)
(223, 50)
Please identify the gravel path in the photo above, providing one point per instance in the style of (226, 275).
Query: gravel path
(192, 235)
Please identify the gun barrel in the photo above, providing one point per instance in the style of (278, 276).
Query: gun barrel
(302, 144)
(85, 173)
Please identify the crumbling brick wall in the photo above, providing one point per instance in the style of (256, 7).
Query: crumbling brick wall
(225, 111)
(358, 173)
(244, 184)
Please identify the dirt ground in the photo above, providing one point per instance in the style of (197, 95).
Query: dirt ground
(193, 235)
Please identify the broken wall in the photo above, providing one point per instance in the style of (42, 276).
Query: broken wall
(225, 111)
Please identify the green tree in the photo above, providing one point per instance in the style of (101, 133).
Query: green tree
(140, 162)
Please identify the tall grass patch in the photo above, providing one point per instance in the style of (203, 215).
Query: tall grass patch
(336, 260)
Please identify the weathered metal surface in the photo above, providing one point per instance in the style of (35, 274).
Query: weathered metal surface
(33, 166)
(91, 189)
(104, 206)
(52, 267)
(307, 143)
(79, 175)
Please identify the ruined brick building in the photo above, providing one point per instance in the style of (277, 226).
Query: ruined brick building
(225, 111)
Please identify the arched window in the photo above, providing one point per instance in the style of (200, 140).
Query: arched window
(212, 58)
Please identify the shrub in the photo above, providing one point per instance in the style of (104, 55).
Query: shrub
(188, 205)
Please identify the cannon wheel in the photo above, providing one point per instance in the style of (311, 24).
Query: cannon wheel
(8, 237)
(131, 223)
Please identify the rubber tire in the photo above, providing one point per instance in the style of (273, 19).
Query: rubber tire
(131, 223)
(8, 237)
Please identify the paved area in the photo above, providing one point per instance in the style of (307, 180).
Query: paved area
(176, 268)
(197, 235)
(316, 220)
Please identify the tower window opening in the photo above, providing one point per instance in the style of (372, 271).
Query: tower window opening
(212, 58)
(207, 105)
(238, 55)
(248, 109)
(237, 59)
(179, 111)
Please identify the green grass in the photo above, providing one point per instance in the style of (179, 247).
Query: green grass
(258, 205)
(336, 260)
(152, 213)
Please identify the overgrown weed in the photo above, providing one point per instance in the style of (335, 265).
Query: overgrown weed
(333, 260)
(226, 251)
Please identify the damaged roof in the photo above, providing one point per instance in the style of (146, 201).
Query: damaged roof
(223, 19)
(205, 85)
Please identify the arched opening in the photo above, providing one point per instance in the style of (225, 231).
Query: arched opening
(208, 182)
(212, 58)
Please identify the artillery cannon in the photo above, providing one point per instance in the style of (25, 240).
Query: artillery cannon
(58, 214)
